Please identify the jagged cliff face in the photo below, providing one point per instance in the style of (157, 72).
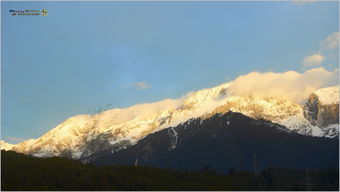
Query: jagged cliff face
(322, 110)
(311, 109)
(321, 114)
(83, 135)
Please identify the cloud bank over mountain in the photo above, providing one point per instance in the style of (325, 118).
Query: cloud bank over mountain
(290, 84)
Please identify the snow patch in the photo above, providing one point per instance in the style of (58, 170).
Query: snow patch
(174, 138)
(328, 95)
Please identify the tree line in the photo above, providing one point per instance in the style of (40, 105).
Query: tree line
(22, 172)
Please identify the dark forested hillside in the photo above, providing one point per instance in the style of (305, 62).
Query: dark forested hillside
(225, 141)
(21, 172)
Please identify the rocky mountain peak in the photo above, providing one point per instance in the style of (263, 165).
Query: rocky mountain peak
(322, 107)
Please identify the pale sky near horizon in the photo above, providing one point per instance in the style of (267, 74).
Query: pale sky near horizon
(87, 55)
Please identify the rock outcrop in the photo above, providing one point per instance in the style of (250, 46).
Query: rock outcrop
(322, 111)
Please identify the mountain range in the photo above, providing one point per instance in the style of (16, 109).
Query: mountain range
(122, 131)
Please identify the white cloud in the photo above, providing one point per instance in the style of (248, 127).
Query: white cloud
(141, 85)
(331, 42)
(326, 46)
(290, 84)
(313, 60)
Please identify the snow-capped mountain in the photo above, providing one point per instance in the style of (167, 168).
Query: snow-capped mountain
(83, 135)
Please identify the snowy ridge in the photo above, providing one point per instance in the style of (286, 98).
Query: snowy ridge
(329, 95)
(83, 135)
(5, 146)
(117, 125)
(278, 110)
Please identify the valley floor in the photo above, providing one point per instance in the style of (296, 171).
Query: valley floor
(21, 172)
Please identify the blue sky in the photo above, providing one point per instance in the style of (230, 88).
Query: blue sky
(86, 55)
